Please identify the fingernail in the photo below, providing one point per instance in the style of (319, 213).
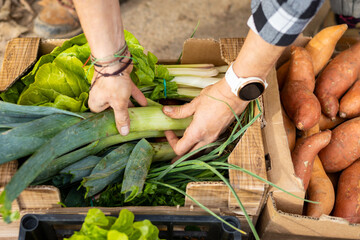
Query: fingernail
(124, 130)
(168, 109)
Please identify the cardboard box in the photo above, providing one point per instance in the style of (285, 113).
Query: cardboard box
(280, 225)
(281, 218)
(21, 53)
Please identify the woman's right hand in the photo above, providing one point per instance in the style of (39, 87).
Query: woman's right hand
(114, 92)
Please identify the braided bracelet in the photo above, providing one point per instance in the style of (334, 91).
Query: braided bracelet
(110, 60)
(116, 73)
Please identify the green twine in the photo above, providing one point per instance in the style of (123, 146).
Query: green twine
(164, 87)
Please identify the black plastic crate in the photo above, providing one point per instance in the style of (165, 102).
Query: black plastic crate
(172, 227)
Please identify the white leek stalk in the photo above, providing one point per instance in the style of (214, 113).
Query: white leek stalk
(189, 92)
(199, 65)
(199, 72)
(198, 82)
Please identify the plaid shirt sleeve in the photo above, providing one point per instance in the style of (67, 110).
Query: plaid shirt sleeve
(279, 22)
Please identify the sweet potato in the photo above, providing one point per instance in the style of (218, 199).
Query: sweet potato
(315, 129)
(305, 152)
(320, 47)
(336, 78)
(301, 105)
(344, 147)
(297, 97)
(289, 129)
(334, 178)
(281, 74)
(301, 68)
(347, 203)
(350, 102)
(320, 187)
(320, 190)
(327, 123)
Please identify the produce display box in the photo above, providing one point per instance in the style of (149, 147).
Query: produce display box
(58, 226)
(279, 219)
(22, 53)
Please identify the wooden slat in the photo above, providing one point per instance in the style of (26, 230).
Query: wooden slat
(20, 55)
(249, 154)
(9, 231)
(7, 170)
(210, 194)
(37, 197)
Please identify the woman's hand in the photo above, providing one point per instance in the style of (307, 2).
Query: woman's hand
(114, 92)
(211, 117)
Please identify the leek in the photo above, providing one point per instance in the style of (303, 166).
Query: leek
(189, 92)
(222, 69)
(198, 82)
(202, 72)
(199, 65)
(84, 132)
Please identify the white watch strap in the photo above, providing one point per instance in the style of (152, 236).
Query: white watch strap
(236, 82)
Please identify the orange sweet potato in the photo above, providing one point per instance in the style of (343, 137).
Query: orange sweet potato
(320, 47)
(334, 178)
(315, 129)
(301, 105)
(327, 123)
(320, 190)
(297, 97)
(281, 74)
(350, 102)
(344, 147)
(305, 152)
(289, 129)
(320, 187)
(347, 203)
(336, 78)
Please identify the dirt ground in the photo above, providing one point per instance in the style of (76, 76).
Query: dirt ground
(160, 25)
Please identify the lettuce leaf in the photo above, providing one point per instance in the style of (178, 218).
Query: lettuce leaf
(62, 78)
(147, 229)
(61, 84)
(76, 46)
(147, 75)
(98, 226)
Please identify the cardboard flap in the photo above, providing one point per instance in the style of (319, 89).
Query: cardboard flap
(20, 55)
(276, 146)
(276, 224)
(202, 51)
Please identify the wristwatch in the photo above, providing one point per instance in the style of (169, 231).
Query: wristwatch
(246, 89)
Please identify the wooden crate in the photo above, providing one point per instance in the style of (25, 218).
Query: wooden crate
(249, 152)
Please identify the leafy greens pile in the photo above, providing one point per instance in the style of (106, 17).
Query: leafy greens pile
(98, 226)
(61, 79)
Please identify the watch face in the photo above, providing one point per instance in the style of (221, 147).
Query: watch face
(251, 91)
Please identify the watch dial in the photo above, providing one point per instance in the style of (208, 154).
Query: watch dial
(251, 91)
